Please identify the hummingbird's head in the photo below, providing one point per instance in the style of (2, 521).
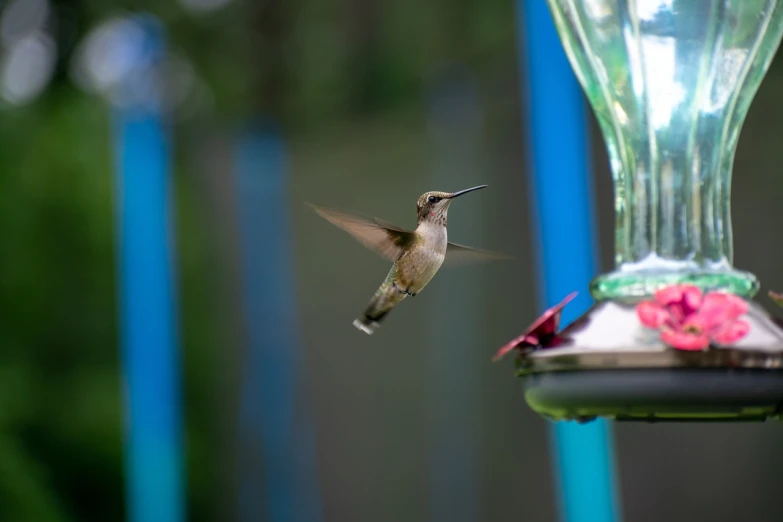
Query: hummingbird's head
(434, 206)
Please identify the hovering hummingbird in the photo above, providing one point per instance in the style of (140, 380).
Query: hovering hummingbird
(417, 255)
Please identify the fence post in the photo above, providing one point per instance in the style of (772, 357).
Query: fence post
(147, 300)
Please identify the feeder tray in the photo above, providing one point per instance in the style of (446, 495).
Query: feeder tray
(614, 367)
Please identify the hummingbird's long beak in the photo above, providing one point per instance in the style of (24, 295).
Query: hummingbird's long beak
(461, 192)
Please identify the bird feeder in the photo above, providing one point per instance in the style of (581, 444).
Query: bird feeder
(674, 333)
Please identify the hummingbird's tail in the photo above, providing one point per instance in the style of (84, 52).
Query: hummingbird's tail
(381, 304)
(367, 324)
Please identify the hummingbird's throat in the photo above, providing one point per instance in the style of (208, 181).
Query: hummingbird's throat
(434, 217)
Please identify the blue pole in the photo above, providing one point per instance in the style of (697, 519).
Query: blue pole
(148, 324)
(268, 416)
(562, 204)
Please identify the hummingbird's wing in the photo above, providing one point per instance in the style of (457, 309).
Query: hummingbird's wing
(385, 239)
(459, 254)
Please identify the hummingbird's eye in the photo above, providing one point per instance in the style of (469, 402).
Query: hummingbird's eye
(433, 199)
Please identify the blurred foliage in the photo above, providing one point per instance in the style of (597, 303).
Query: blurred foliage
(60, 391)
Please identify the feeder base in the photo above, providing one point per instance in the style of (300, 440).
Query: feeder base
(657, 395)
(611, 366)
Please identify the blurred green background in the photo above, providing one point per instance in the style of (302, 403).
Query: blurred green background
(350, 83)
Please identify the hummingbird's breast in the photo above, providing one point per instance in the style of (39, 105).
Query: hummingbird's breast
(418, 266)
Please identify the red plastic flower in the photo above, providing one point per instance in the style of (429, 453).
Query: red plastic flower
(689, 320)
(777, 297)
(542, 333)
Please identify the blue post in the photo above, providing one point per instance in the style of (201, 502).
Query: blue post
(148, 323)
(268, 418)
(562, 201)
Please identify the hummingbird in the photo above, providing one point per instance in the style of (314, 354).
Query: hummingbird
(417, 254)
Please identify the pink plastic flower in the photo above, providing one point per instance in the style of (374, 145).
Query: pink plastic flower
(689, 320)
(542, 333)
